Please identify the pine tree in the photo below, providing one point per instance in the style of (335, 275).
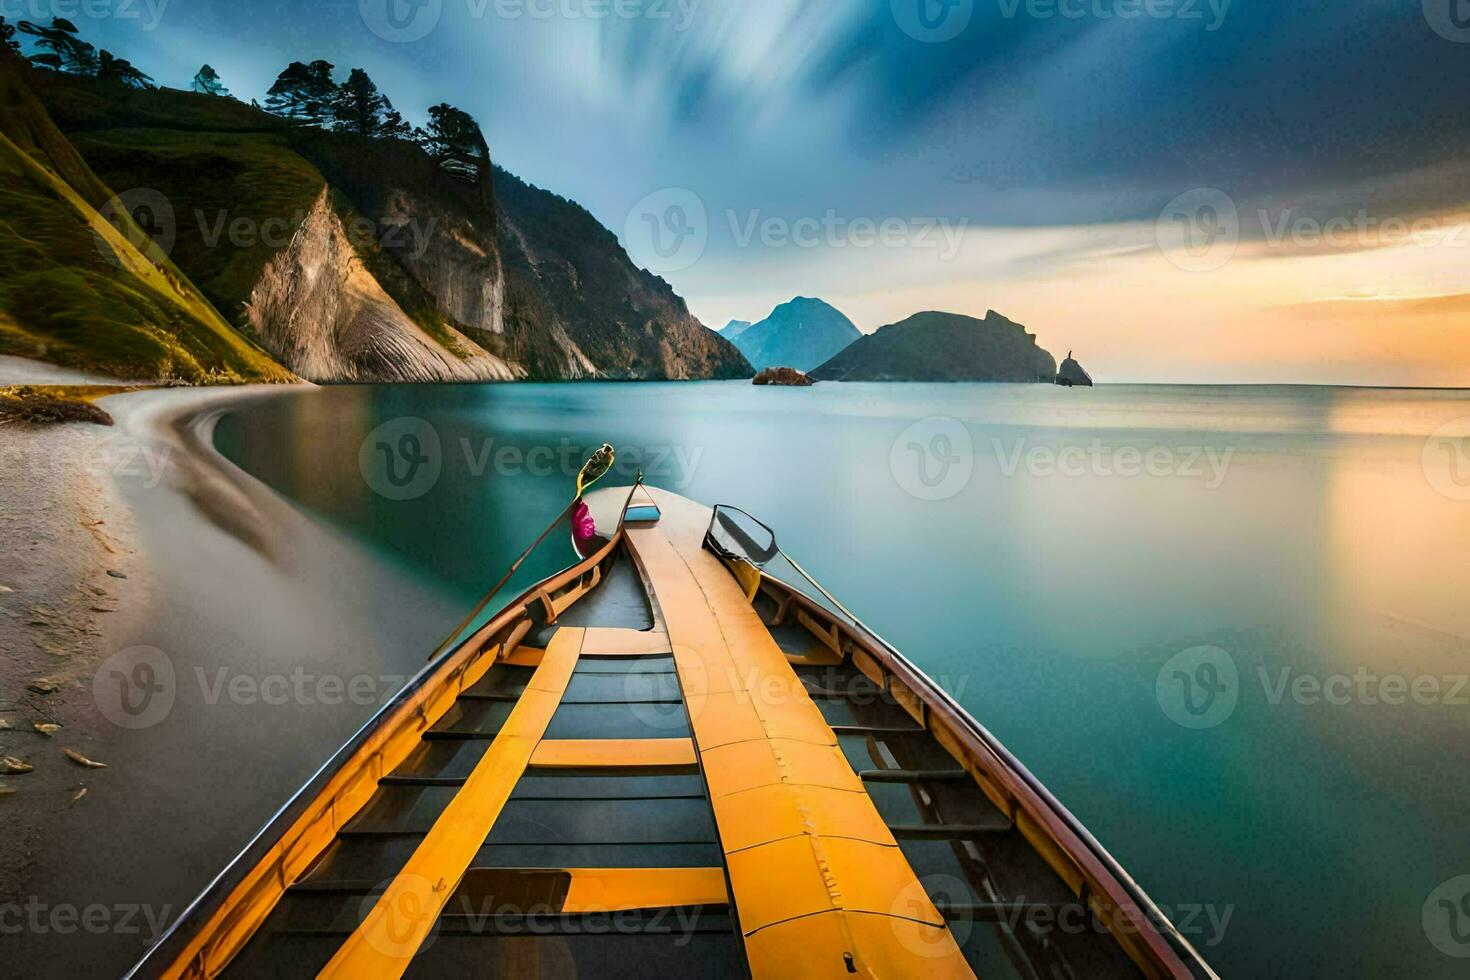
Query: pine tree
(287, 96)
(303, 92)
(455, 141)
(207, 82)
(359, 107)
(114, 69)
(61, 48)
(321, 91)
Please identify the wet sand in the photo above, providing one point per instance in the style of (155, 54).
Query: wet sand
(246, 641)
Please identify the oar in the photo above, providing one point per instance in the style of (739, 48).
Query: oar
(593, 470)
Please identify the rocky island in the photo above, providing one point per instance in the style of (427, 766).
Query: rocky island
(944, 347)
(787, 376)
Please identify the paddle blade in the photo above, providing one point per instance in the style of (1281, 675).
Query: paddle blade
(595, 468)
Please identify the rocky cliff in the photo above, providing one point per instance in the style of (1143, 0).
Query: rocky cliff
(943, 347)
(352, 259)
(316, 307)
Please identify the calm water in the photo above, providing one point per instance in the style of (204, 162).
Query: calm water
(1227, 626)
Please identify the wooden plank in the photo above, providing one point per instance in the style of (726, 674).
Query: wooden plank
(388, 937)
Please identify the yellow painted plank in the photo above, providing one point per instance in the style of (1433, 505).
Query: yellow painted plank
(624, 889)
(806, 849)
(607, 642)
(770, 813)
(391, 932)
(734, 768)
(605, 753)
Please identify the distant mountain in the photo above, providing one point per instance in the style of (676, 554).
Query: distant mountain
(734, 329)
(943, 347)
(800, 334)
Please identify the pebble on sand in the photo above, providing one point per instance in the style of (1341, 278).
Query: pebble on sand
(115, 573)
(43, 685)
(11, 766)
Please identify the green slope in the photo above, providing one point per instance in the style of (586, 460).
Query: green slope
(84, 291)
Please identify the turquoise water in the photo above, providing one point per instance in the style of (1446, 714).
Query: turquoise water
(1227, 626)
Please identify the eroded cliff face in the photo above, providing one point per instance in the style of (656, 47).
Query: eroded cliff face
(392, 268)
(320, 312)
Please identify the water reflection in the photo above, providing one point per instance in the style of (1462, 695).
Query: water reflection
(1095, 536)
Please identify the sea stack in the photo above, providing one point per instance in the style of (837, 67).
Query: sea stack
(1071, 374)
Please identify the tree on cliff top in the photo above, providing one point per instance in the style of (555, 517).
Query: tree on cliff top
(61, 48)
(453, 138)
(111, 68)
(358, 107)
(207, 82)
(303, 92)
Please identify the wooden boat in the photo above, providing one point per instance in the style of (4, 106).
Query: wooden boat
(676, 757)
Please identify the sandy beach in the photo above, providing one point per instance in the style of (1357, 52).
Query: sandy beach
(191, 631)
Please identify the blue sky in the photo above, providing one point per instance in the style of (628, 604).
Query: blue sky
(995, 149)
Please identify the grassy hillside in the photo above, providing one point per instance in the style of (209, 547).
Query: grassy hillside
(87, 292)
(235, 198)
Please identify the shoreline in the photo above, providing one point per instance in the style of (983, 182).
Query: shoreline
(222, 585)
